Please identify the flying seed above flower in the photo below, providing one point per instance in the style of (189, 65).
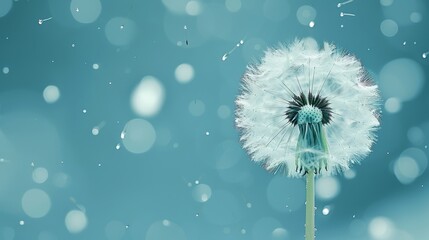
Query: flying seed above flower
(226, 55)
(41, 21)
(344, 3)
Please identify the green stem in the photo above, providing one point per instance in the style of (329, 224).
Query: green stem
(309, 207)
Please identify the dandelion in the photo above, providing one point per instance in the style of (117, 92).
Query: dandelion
(305, 111)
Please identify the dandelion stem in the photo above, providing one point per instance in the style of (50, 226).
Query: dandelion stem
(309, 207)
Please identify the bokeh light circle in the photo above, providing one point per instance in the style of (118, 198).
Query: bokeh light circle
(268, 228)
(389, 28)
(51, 94)
(254, 49)
(85, 11)
(76, 221)
(401, 78)
(184, 73)
(327, 188)
(381, 228)
(5, 6)
(386, 3)
(416, 17)
(44, 235)
(148, 97)
(165, 230)
(5, 70)
(193, 8)
(201, 193)
(349, 174)
(416, 135)
(406, 170)
(393, 105)
(227, 154)
(40, 175)
(285, 195)
(233, 5)
(176, 6)
(411, 164)
(139, 136)
(305, 14)
(36, 203)
(120, 31)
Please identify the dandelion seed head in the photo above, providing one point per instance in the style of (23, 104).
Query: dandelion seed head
(305, 108)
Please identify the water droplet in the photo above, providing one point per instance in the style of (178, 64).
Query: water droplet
(118, 146)
(197, 182)
(84, 110)
(21, 222)
(311, 24)
(207, 133)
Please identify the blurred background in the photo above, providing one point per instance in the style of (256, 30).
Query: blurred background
(117, 120)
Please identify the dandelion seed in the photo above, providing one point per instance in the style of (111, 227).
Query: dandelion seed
(342, 14)
(344, 3)
(226, 55)
(323, 93)
(41, 21)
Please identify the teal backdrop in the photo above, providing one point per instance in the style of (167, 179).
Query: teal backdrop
(117, 120)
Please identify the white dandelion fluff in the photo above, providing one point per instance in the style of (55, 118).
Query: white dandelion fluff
(304, 109)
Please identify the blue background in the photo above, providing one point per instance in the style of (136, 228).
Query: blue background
(196, 182)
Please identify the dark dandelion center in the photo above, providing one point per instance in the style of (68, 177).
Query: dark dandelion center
(316, 109)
